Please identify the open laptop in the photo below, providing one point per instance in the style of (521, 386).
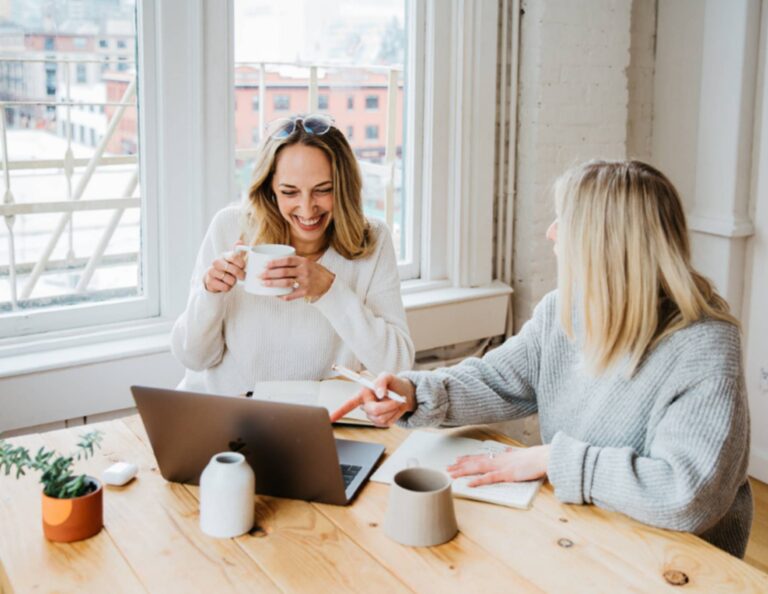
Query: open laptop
(290, 447)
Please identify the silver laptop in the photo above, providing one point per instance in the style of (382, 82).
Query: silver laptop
(290, 447)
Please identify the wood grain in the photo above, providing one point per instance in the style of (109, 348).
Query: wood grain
(152, 541)
(757, 548)
(30, 563)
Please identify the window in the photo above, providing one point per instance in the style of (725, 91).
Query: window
(371, 132)
(435, 190)
(70, 269)
(50, 79)
(255, 103)
(103, 43)
(120, 44)
(282, 102)
(374, 60)
(372, 102)
(256, 135)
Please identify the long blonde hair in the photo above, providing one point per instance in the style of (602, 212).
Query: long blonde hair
(349, 232)
(624, 262)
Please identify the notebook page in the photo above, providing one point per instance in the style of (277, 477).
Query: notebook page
(424, 448)
(297, 392)
(438, 451)
(518, 495)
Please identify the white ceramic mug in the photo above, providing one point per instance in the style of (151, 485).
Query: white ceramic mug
(420, 511)
(227, 488)
(258, 258)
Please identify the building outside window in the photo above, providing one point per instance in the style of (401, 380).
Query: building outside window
(379, 54)
(371, 132)
(65, 269)
(255, 102)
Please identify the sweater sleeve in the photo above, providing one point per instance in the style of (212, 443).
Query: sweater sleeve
(692, 471)
(374, 328)
(500, 386)
(197, 338)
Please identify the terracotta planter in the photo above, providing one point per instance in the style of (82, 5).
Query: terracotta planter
(67, 520)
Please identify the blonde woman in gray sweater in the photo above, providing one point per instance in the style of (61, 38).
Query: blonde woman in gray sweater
(634, 366)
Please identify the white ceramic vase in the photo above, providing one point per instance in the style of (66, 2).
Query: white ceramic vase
(227, 488)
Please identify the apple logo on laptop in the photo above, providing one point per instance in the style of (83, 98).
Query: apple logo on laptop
(238, 445)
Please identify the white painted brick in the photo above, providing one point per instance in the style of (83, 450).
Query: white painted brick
(573, 106)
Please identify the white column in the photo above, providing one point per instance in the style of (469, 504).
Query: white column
(719, 217)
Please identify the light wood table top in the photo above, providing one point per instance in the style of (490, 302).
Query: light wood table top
(152, 541)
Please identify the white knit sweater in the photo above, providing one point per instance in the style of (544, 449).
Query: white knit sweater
(229, 341)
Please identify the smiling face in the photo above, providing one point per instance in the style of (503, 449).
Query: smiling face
(303, 185)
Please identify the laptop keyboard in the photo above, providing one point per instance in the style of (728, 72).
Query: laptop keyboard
(349, 472)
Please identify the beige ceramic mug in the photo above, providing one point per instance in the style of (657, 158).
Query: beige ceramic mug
(420, 511)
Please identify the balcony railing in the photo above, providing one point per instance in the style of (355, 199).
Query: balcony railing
(21, 297)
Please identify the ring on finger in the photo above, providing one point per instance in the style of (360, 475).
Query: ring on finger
(491, 455)
(295, 285)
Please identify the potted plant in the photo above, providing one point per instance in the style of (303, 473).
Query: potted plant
(72, 504)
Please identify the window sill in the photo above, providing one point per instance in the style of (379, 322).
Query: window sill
(438, 315)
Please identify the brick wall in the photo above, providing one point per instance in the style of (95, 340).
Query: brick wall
(640, 80)
(572, 106)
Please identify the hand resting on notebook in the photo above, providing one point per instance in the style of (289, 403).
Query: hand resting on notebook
(516, 464)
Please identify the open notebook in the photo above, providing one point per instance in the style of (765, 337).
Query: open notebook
(331, 394)
(437, 450)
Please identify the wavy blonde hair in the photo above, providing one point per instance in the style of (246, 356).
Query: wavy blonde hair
(348, 233)
(624, 251)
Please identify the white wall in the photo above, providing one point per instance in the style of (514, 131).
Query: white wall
(707, 137)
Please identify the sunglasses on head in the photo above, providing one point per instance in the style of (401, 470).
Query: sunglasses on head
(316, 123)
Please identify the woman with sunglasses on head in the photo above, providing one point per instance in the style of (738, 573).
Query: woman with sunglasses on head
(345, 305)
(633, 365)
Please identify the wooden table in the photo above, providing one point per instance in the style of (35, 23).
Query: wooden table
(152, 541)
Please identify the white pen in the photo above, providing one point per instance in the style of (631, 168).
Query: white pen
(364, 381)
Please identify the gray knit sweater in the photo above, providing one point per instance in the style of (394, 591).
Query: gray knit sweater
(668, 447)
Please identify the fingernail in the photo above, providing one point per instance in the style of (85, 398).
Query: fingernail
(381, 392)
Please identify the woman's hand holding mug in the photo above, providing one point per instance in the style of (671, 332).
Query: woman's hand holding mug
(381, 411)
(225, 271)
(307, 278)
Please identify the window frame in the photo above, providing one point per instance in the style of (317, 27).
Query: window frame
(186, 63)
(23, 325)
